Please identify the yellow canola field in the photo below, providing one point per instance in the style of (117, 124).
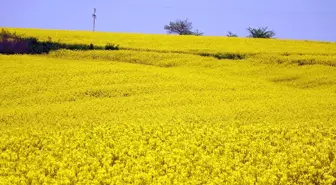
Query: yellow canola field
(159, 113)
(189, 44)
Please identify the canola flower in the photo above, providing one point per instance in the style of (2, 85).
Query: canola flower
(145, 117)
(189, 44)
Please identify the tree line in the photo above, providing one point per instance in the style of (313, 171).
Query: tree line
(185, 27)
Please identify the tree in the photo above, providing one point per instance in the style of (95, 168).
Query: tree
(230, 34)
(197, 33)
(182, 28)
(262, 32)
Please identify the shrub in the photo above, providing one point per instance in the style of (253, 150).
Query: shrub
(91, 47)
(110, 46)
(230, 34)
(10, 43)
(230, 56)
(260, 32)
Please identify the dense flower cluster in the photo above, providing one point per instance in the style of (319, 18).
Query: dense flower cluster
(146, 117)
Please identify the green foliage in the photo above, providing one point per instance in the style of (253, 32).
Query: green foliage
(197, 33)
(182, 27)
(262, 32)
(230, 56)
(111, 46)
(230, 34)
(11, 43)
(76, 46)
(91, 47)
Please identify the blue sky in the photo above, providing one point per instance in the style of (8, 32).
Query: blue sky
(290, 19)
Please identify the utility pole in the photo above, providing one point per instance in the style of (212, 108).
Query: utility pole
(94, 16)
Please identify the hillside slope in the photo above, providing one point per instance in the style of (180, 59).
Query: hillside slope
(163, 110)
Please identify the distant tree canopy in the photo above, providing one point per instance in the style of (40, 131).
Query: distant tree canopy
(262, 32)
(230, 34)
(182, 27)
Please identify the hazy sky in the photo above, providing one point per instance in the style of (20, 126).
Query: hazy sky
(290, 19)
